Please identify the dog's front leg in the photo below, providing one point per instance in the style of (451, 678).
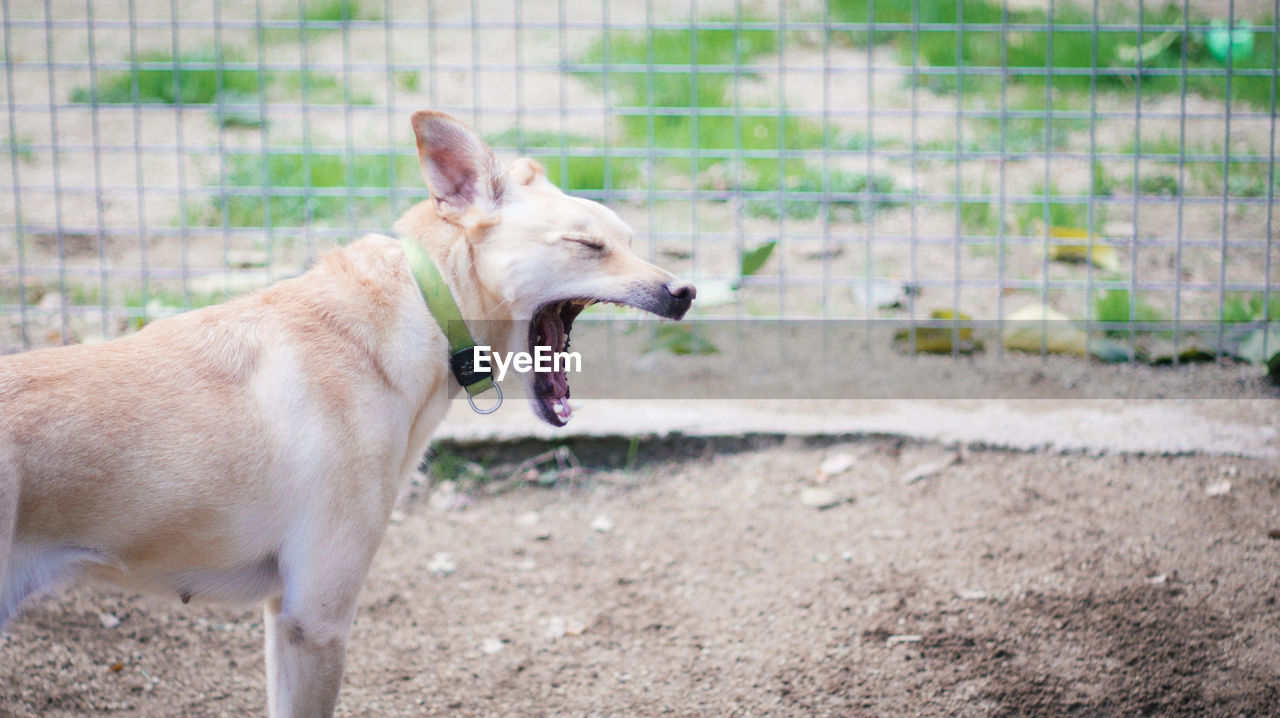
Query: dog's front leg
(307, 628)
(305, 659)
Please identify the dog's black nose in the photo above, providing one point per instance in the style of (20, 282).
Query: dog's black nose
(681, 290)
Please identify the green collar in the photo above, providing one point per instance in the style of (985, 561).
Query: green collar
(445, 310)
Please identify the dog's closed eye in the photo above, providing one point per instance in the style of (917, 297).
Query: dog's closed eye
(586, 241)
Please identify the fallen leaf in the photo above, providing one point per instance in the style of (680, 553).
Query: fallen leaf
(1102, 256)
(1036, 327)
(754, 259)
(941, 339)
(1189, 349)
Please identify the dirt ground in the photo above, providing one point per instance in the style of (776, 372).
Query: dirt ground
(703, 582)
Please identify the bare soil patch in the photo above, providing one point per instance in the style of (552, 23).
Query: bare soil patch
(1005, 584)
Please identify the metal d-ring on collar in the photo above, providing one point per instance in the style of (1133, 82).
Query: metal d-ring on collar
(471, 400)
(441, 305)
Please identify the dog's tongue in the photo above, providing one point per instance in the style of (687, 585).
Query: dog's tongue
(551, 329)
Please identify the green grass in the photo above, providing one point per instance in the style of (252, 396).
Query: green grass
(320, 11)
(1248, 307)
(576, 172)
(716, 50)
(410, 80)
(1244, 179)
(1158, 185)
(156, 78)
(19, 146)
(320, 89)
(747, 148)
(809, 182)
(980, 218)
(1071, 50)
(1030, 217)
(170, 82)
(1104, 185)
(287, 176)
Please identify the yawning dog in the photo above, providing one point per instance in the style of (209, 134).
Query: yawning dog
(252, 451)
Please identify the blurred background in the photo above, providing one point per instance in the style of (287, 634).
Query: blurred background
(974, 177)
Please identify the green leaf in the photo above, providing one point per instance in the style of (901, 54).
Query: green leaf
(754, 259)
(1252, 348)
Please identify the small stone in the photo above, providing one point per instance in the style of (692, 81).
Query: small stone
(927, 469)
(574, 627)
(820, 498)
(447, 497)
(109, 620)
(442, 564)
(903, 638)
(602, 524)
(1157, 579)
(527, 518)
(835, 465)
(1218, 488)
(970, 594)
(557, 627)
(490, 646)
(397, 516)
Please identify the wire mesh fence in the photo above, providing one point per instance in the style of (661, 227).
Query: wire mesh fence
(944, 170)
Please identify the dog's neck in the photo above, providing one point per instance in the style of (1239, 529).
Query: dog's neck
(487, 313)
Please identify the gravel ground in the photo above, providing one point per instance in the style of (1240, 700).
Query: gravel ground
(703, 581)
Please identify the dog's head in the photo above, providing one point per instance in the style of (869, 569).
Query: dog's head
(536, 256)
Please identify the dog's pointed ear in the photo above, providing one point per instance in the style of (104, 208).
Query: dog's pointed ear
(526, 171)
(460, 169)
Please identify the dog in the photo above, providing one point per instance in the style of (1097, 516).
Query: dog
(252, 451)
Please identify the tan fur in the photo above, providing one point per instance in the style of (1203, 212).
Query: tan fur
(252, 451)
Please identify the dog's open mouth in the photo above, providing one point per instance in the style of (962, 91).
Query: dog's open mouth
(550, 328)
